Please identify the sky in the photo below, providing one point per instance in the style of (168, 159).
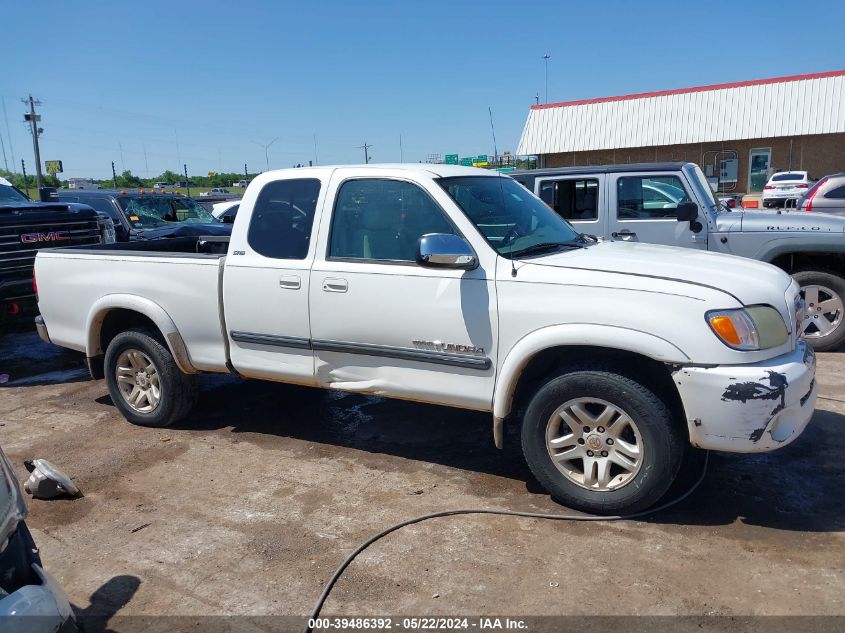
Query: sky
(155, 85)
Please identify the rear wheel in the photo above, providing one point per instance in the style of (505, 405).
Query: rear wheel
(601, 442)
(144, 381)
(824, 316)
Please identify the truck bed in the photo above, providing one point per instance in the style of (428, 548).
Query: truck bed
(176, 278)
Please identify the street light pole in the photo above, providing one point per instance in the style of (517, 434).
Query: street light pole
(267, 151)
(546, 58)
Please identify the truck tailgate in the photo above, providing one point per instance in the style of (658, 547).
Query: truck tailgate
(74, 286)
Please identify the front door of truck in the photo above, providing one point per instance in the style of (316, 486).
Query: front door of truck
(266, 279)
(580, 200)
(643, 208)
(383, 324)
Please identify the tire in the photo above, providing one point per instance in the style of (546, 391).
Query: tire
(147, 366)
(823, 289)
(598, 390)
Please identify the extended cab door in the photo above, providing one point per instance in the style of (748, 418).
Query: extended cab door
(643, 208)
(380, 322)
(266, 278)
(579, 199)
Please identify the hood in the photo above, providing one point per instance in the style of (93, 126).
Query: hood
(12, 507)
(185, 230)
(799, 222)
(747, 280)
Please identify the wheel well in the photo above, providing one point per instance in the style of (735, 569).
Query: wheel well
(793, 262)
(119, 320)
(554, 360)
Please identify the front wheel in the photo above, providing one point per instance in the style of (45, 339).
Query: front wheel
(144, 381)
(824, 315)
(601, 442)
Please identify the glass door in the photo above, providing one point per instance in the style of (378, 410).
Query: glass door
(758, 168)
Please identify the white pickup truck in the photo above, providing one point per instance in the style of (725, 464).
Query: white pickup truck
(454, 286)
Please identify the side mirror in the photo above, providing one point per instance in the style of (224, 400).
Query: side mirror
(687, 211)
(444, 250)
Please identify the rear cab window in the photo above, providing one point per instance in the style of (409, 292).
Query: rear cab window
(283, 218)
(149, 212)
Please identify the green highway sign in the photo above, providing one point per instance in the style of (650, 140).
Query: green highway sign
(451, 159)
(505, 170)
(482, 158)
(467, 162)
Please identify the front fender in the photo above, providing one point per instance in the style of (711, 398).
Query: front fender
(575, 334)
(149, 309)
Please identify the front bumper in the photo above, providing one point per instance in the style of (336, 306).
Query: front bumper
(749, 408)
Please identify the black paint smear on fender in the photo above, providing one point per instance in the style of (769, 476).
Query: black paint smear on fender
(745, 391)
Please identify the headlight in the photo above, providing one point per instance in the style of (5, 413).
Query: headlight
(753, 328)
(107, 230)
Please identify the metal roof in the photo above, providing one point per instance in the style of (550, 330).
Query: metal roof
(763, 108)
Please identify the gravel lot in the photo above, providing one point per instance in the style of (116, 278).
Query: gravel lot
(249, 506)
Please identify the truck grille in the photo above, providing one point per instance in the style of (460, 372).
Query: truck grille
(20, 242)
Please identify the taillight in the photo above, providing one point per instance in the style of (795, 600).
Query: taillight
(769, 187)
(803, 185)
(808, 202)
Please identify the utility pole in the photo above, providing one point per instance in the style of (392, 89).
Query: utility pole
(546, 58)
(492, 129)
(32, 118)
(187, 182)
(113, 175)
(246, 174)
(316, 162)
(25, 183)
(366, 147)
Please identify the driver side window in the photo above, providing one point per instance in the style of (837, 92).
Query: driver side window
(649, 197)
(283, 217)
(379, 219)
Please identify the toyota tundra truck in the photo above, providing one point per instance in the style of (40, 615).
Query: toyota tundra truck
(455, 286)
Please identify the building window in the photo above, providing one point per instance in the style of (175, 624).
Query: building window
(575, 199)
(649, 197)
(759, 161)
(382, 220)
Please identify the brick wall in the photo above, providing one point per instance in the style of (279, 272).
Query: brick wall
(820, 154)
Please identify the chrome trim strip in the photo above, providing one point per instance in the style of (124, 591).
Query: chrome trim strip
(403, 353)
(269, 339)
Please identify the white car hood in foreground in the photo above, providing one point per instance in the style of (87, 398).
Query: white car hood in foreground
(749, 281)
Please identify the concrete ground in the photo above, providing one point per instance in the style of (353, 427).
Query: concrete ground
(248, 507)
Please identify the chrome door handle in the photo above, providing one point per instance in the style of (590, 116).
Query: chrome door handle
(290, 282)
(334, 284)
(624, 233)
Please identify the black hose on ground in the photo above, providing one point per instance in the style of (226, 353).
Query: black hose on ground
(315, 613)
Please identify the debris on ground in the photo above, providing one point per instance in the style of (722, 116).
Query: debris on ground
(48, 482)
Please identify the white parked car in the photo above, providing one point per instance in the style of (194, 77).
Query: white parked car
(225, 211)
(216, 192)
(455, 286)
(784, 186)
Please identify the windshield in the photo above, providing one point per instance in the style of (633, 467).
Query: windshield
(147, 212)
(705, 190)
(11, 195)
(511, 218)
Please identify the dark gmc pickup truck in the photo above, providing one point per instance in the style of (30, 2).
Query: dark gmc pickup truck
(26, 227)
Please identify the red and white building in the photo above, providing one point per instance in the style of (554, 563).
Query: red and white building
(738, 132)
